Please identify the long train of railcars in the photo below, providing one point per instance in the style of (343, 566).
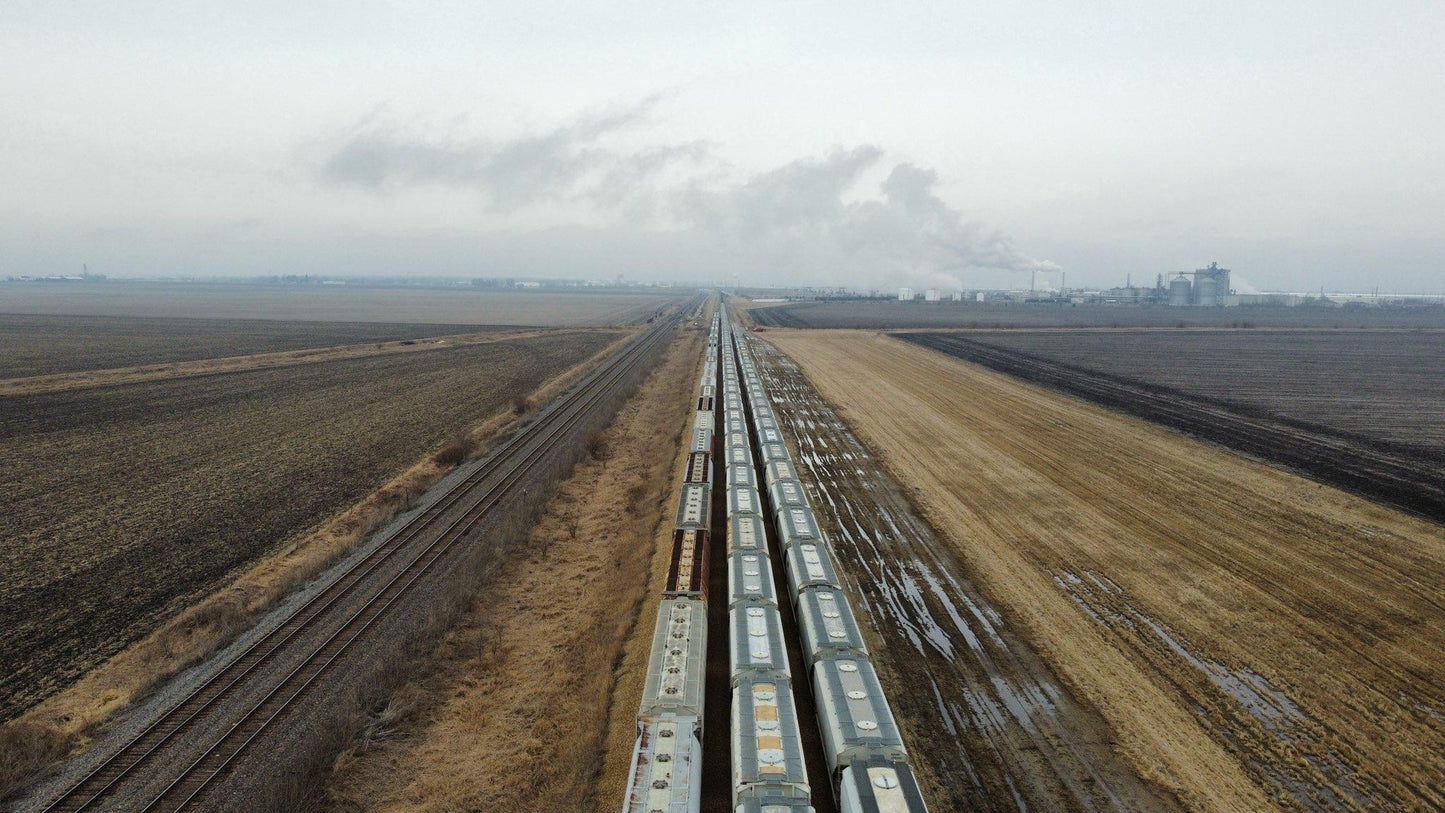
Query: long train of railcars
(768, 768)
(666, 771)
(867, 761)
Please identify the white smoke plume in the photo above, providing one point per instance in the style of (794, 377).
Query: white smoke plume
(801, 222)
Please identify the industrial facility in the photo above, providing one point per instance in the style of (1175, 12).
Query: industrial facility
(1210, 287)
(1207, 287)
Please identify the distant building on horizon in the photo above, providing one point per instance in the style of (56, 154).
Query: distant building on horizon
(905, 294)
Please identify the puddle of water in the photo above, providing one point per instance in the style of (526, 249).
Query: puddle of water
(1268, 705)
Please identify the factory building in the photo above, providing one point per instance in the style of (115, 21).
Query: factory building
(905, 294)
(930, 295)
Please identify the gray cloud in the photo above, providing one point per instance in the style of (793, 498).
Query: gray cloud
(569, 162)
(803, 219)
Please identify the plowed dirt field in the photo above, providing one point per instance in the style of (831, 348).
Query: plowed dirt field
(1253, 639)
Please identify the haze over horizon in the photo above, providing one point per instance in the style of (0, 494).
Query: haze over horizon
(1299, 144)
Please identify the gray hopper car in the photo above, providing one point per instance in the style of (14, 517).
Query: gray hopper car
(742, 476)
(678, 663)
(787, 494)
(704, 419)
(810, 565)
(780, 470)
(755, 640)
(879, 786)
(744, 500)
(732, 439)
(738, 456)
(853, 715)
(666, 774)
(767, 753)
(701, 439)
(827, 625)
(694, 507)
(775, 451)
(797, 525)
(750, 578)
(746, 535)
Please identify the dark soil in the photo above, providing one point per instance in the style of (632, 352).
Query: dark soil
(123, 504)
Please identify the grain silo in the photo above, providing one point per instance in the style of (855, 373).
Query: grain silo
(1179, 291)
(1210, 285)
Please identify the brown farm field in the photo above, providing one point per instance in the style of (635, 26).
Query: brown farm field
(126, 503)
(33, 345)
(1362, 410)
(894, 315)
(457, 305)
(1387, 386)
(1253, 639)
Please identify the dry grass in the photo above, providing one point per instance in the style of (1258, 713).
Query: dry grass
(64, 721)
(1099, 535)
(513, 712)
(82, 379)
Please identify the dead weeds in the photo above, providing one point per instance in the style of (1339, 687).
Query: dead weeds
(513, 712)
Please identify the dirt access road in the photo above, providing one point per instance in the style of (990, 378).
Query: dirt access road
(1255, 640)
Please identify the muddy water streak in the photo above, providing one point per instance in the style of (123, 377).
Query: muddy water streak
(986, 721)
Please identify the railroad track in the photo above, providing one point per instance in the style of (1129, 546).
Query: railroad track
(204, 709)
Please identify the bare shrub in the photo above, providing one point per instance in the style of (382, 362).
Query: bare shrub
(26, 748)
(636, 495)
(598, 446)
(521, 405)
(455, 452)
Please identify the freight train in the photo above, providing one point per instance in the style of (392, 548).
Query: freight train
(666, 771)
(868, 764)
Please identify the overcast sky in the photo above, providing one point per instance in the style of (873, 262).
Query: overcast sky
(1301, 144)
